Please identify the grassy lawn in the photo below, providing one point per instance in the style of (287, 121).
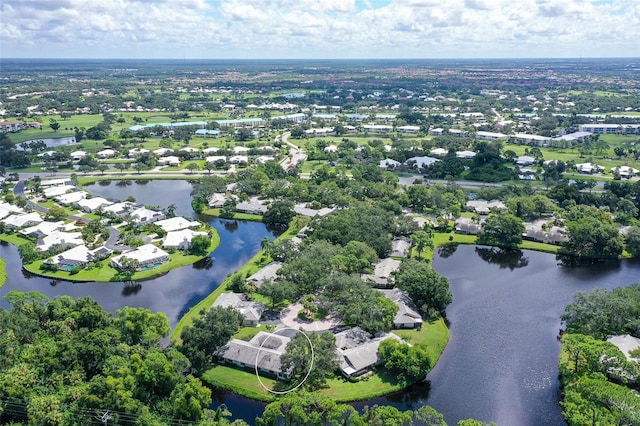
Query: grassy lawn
(106, 273)
(237, 216)
(247, 333)
(3, 272)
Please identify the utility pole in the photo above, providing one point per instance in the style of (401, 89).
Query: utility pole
(104, 417)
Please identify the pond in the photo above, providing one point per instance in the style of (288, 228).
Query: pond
(177, 291)
(55, 142)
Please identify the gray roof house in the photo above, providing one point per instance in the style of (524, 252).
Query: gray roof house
(626, 344)
(407, 315)
(464, 225)
(263, 351)
(251, 311)
(400, 247)
(358, 351)
(383, 272)
(269, 272)
(484, 206)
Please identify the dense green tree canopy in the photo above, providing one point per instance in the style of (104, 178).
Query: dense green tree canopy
(502, 230)
(428, 289)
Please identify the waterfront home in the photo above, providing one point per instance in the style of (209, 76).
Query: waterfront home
(253, 205)
(144, 215)
(383, 272)
(42, 229)
(268, 273)
(55, 191)
(119, 209)
(216, 200)
(22, 220)
(7, 209)
(90, 205)
(251, 311)
(626, 344)
(55, 182)
(465, 225)
(181, 239)
(148, 257)
(71, 198)
(358, 351)
(77, 257)
(263, 351)
(61, 239)
(177, 223)
(407, 315)
(170, 160)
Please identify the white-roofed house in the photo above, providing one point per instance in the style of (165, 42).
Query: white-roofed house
(106, 153)
(42, 229)
(77, 257)
(408, 129)
(55, 191)
(331, 148)
(71, 198)
(483, 206)
(134, 152)
(239, 159)
(241, 149)
(253, 205)
(465, 154)
(55, 182)
(177, 223)
(22, 220)
(170, 160)
(525, 160)
(303, 210)
(217, 200)
(162, 151)
(589, 168)
(181, 239)
(626, 343)
(7, 209)
(78, 155)
(60, 238)
(420, 162)
(145, 215)
(90, 205)
(438, 151)
(120, 209)
(400, 247)
(624, 171)
(148, 256)
(389, 163)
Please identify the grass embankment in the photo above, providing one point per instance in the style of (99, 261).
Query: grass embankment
(258, 261)
(106, 273)
(3, 273)
(237, 216)
(244, 382)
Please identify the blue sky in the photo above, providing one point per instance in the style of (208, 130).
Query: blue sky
(319, 28)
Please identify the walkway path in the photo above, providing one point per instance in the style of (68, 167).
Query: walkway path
(289, 317)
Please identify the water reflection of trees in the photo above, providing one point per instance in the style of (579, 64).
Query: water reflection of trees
(131, 289)
(230, 225)
(124, 183)
(204, 264)
(141, 182)
(104, 183)
(504, 258)
(412, 397)
(447, 250)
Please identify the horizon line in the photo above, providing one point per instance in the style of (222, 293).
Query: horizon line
(328, 59)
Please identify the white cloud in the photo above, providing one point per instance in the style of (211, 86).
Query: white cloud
(322, 28)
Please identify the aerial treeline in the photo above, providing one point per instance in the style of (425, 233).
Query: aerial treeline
(599, 383)
(66, 361)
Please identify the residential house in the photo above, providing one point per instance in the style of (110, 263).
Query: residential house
(319, 132)
(22, 220)
(78, 155)
(420, 162)
(119, 209)
(589, 168)
(60, 238)
(465, 154)
(170, 160)
(383, 272)
(358, 351)
(263, 352)
(177, 223)
(439, 152)
(484, 207)
(525, 160)
(54, 191)
(303, 210)
(181, 239)
(239, 159)
(134, 152)
(71, 198)
(253, 205)
(162, 151)
(377, 128)
(78, 257)
(459, 133)
(55, 182)
(7, 126)
(407, 315)
(409, 129)
(144, 215)
(42, 229)
(465, 225)
(400, 247)
(7, 209)
(148, 257)
(626, 344)
(490, 136)
(624, 172)
(251, 311)
(217, 200)
(436, 132)
(106, 153)
(90, 205)
(389, 163)
(268, 273)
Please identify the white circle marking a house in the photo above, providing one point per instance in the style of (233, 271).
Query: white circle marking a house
(303, 379)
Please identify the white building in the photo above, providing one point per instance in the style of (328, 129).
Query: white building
(490, 136)
(589, 168)
(624, 171)
(77, 257)
(465, 154)
(438, 151)
(106, 153)
(22, 220)
(71, 198)
(55, 191)
(148, 257)
(170, 160)
(389, 163)
(144, 215)
(420, 162)
(323, 131)
(60, 238)
(377, 128)
(90, 205)
(177, 223)
(181, 239)
(42, 229)
(409, 129)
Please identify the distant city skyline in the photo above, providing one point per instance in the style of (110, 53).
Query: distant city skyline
(327, 29)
